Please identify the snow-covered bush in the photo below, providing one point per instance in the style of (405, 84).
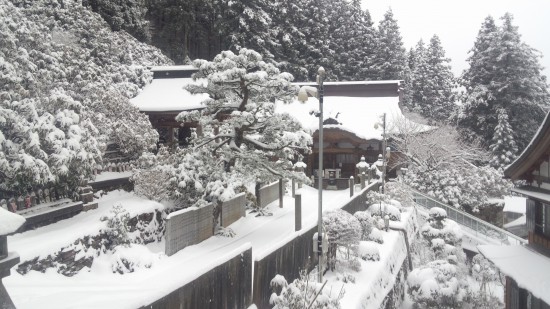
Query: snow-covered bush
(376, 235)
(303, 293)
(126, 259)
(398, 191)
(463, 187)
(366, 221)
(437, 285)
(368, 251)
(438, 226)
(343, 230)
(381, 210)
(117, 225)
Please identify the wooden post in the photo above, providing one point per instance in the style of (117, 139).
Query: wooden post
(298, 212)
(351, 185)
(280, 193)
(293, 187)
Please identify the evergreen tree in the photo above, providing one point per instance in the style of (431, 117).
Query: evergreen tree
(431, 81)
(251, 27)
(504, 73)
(440, 99)
(503, 146)
(419, 77)
(391, 59)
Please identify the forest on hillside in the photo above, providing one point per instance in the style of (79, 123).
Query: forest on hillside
(68, 68)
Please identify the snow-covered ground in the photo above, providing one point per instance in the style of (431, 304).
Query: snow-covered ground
(99, 287)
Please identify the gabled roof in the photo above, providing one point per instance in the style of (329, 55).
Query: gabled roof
(168, 95)
(529, 159)
(357, 115)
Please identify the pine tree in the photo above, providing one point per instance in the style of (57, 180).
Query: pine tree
(391, 59)
(440, 99)
(419, 77)
(503, 146)
(243, 88)
(504, 73)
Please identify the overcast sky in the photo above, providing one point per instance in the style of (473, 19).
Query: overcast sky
(457, 23)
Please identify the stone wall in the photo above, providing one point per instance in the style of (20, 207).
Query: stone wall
(359, 201)
(288, 261)
(226, 286)
(269, 194)
(187, 227)
(233, 209)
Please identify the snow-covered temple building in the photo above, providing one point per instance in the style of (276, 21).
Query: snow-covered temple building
(351, 110)
(527, 268)
(164, 98)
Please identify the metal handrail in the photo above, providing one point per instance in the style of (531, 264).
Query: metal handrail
(471, 219)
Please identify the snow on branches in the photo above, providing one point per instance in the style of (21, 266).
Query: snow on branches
(239, 122)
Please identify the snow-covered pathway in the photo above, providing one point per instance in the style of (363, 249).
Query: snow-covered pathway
(100, 288)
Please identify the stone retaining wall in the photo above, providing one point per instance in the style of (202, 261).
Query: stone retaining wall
(187, 227)
(268, 194)
(233, 209)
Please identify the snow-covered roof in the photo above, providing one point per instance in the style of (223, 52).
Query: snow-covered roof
(514, 204)
(167, 94)
(539, 194)
(538, 147)
(357, 114)
(9, 222)
(187, 67)
(528, 268)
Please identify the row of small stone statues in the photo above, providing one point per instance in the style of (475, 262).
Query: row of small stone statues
(113, 167)
(38, 197)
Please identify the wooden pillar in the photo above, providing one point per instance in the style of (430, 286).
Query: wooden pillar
(298, 212)
(351, 185)
(281, 193)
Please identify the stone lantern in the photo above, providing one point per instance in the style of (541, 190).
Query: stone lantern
(299, 167)
(363, 171)
(9, 223)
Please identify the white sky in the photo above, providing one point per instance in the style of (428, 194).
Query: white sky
(457, 23)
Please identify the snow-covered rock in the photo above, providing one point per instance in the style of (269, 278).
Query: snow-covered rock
(9, 222)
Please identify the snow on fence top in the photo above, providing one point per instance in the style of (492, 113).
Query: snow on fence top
(9, 222)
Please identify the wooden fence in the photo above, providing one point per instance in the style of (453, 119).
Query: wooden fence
(227, 286)
(187, 227)
(268, 194)
(233, 209)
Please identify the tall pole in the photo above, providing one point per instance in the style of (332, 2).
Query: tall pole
(384, 151)
(320, 79)
(383, 164)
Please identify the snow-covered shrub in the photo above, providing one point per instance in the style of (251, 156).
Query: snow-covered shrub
(129, 258)
(303, 292)
(343, 230)
(152, 183)
(398, 191)
(366, 221)
(368, 251)
(376, 235)
(463, 187)
(384, 209)
(439, 226)
(225, 232)
(117, 225)
(437, 285)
